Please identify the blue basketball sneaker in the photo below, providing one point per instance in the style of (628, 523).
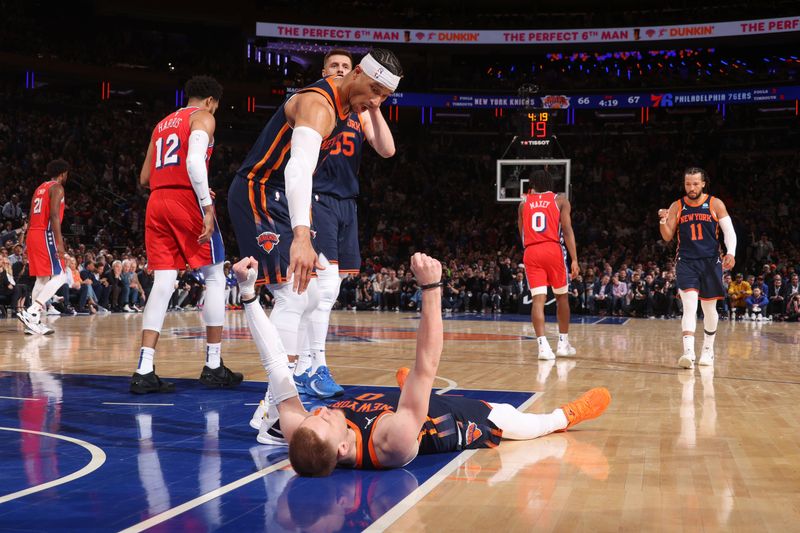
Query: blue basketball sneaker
(319, 384)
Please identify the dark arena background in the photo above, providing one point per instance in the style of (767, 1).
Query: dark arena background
(614, 99)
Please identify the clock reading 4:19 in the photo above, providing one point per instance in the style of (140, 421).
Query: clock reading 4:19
(540, 122)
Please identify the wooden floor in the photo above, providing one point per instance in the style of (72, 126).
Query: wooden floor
(709, 449)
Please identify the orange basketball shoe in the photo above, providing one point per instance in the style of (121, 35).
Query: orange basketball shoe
(401, 375)
(590, 405)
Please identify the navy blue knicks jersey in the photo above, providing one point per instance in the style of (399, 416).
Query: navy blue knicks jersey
(267, 158)
(453, 424)
(338, 175)
(698, 230)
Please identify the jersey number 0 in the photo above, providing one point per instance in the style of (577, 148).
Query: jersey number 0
(539, 222)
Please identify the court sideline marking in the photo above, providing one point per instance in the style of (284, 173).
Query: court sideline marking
(200, 500)
(394, 514)
(97, 460)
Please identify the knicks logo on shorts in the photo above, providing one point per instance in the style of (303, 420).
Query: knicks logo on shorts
(473, 433)
(268, 240)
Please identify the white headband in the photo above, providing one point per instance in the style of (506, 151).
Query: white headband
(379, 73)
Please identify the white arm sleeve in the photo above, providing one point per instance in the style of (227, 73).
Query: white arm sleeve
(298, 174)
(196, 165)
(730, 235)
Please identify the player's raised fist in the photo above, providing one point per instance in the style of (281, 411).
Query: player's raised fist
(246, 268)
(426, 269)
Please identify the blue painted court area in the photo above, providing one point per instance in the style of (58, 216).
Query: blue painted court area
(189, 461)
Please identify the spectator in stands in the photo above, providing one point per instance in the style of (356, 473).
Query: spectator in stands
(231, 288)
(793, 308)
(364, 292)
(777, 302)
(453, 296)
(113, 280)
(738, 291)
(16, 255)
(619, 292)
(640, 297)
(576, 294)
(793, 287)
(12, 211)
(763, 249)
(391, 291)
(725, 303)
(347, 292)
(756, 304)
(12, 294)
(603, 296)
(408, 289)
(377, 291)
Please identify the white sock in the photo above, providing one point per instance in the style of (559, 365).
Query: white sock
(212, 355)
(544, 346)
(304, 362)
(688, 344)
(563, 339)
(318, 360)
(708, 341)
(35, 307)
(145, 360)
(523, 426)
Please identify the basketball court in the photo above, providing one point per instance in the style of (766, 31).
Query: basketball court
(706, 449)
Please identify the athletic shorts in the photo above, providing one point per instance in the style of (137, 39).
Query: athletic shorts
(173, 222)
(43, 258)
(335, 224)
(260, 217)
(546, 265)
(701, 275)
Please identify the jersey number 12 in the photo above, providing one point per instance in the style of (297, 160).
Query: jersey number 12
(170, 157)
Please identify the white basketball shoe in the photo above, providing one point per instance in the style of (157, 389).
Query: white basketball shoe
(565, 350)
(686, 360)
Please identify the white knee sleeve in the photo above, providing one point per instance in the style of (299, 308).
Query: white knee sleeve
(41, 281)
(286, 313)
(328, 282)
(158, 300)
(517, 425)
(689, 319)
(50, 287)
(710, 315)
(214, 304)
(303, 328)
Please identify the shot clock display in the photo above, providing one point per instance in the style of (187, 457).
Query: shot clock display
(539, 124)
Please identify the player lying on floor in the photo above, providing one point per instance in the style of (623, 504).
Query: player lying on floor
(386, 430)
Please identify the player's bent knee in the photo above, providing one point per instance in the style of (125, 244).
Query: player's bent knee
(214, 308)
(158, 300)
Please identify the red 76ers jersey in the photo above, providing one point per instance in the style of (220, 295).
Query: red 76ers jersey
(541, 219)
(170, 141)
